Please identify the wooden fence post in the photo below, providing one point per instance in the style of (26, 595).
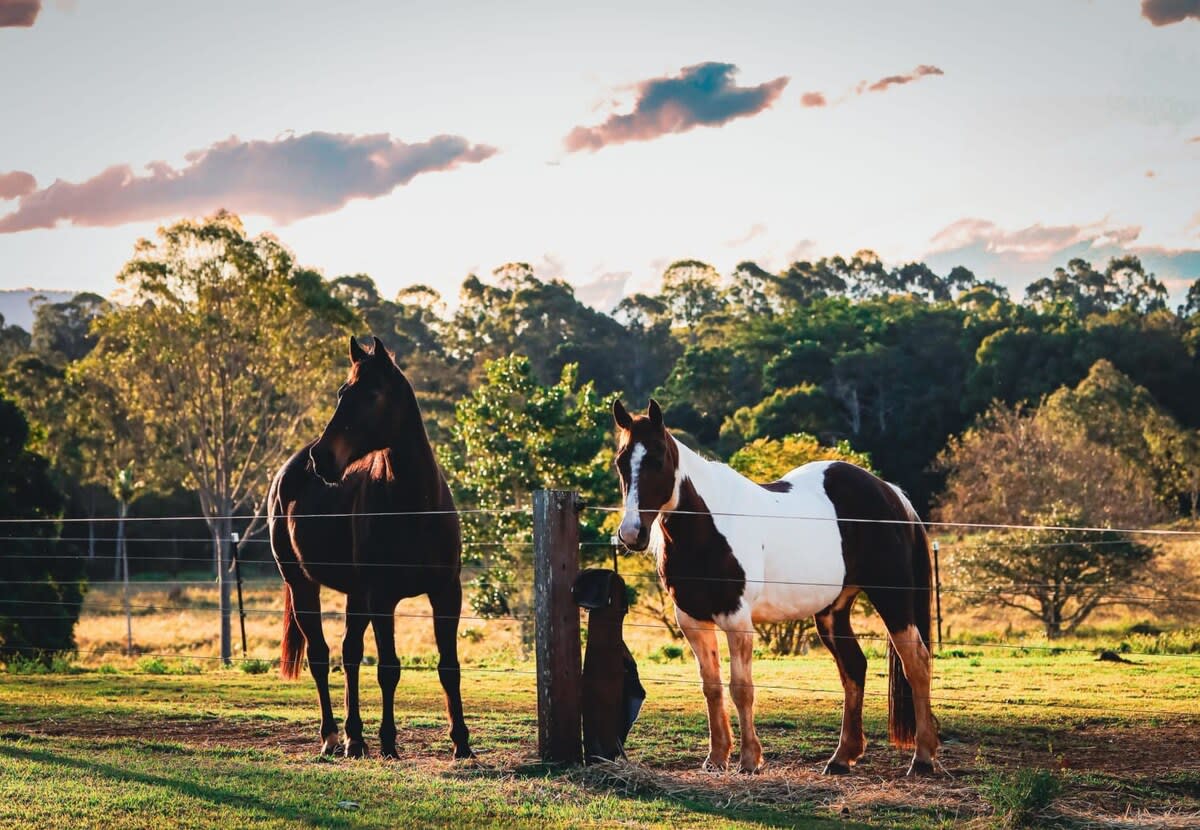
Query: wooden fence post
(559, 669)
(937, 586)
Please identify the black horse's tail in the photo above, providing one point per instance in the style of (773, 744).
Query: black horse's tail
(293, 639)
(902, 715)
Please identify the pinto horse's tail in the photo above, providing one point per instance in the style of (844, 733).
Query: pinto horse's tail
(902, 716)
(293, 639)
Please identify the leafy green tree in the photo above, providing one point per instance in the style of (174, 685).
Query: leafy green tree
(1115, 412)
(221, 360)
(41, 579)
(1124, 283)
(1021, 468)
(14, 342)
(62, 332)
(691, 291)
(513, 435)
(768, 459)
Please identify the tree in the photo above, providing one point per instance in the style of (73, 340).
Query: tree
(1021, 468)
(768, 459)
(221, 360)
(514, 435)
(41, 580)
(62, 332)
(1115, 412)
(691, 290)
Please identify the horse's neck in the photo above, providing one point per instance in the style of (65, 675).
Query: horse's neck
(713, 481)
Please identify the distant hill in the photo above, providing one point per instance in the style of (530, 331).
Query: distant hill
(14, 304)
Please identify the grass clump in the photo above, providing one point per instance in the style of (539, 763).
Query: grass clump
(152, 665)
(1020, 796)
(255, 666)
(49, 663)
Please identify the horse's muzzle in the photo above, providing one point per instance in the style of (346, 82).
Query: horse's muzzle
(636, 543)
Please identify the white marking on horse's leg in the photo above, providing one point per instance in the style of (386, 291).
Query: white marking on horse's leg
(741, 689)
(702, 637)
(631, 519)
(914, 656)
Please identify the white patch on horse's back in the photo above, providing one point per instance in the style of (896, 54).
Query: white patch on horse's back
(788, 544)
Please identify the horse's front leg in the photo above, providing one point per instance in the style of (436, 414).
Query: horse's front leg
(357, 620)
(702, 637)
(384, 625)
(740, 635)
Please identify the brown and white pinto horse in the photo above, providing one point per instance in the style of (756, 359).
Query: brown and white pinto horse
(733, 553)
(365, 510)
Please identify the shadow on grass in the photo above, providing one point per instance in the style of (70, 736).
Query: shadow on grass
(802, 815)
(218, 796)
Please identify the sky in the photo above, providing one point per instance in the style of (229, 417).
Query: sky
(419, 142)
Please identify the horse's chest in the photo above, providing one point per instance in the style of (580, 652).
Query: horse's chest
(701, 573)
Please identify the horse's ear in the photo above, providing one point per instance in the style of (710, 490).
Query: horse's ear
(620, 416)
(380, 349)
(357, 355)
(655, 413)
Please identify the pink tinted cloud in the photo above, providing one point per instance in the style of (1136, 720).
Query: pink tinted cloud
(285, 179)
(1166, 12)
(883, 84)
(1032, 243)
(813, 99)
(17, 183)
(19, 13)
(701, 95)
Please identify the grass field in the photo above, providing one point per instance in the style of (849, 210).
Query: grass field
(167, 737)
(91, 748)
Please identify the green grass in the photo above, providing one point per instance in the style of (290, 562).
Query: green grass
(227, 748)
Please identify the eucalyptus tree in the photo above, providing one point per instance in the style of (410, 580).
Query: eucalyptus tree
(223, 353)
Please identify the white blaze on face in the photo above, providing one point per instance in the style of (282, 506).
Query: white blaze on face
(631, 521)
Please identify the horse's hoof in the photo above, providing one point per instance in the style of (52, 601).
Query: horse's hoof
(751, 767)
(836, 768)
(921, 768)
(712, 765)
(389, 752)
(356, 749)
(463, 753)
(330, 744)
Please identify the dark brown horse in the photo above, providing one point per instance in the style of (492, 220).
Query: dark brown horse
(365, 510)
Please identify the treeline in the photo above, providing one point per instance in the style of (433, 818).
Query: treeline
(224, 356)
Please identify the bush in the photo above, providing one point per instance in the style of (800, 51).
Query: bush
(57, 663)
(666, 654)
(1020, 796)
(152, 665)
(254, 666)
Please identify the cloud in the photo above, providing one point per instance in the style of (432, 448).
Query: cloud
(1015, 258)
(17, 183)
(285, 179)
(884, 84)
(19, 13)
(1166, 12)
(756, 230)
(1034, 243)
(813, 99)
(605, 292)
(701, 95)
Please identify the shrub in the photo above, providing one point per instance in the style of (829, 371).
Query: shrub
(152, 665)
(255, 666)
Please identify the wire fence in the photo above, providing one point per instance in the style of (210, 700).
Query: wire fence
(1126, 588)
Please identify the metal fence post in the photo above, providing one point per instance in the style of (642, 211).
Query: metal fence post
(937, 583)
(559, 665)
(237, 569)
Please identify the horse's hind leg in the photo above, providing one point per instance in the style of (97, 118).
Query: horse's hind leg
(357, 620)
(306, 604)
(446, 606)
(833, 626)
(384, 625)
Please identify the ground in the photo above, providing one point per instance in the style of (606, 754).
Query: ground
(225, 748)
(168, 737)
